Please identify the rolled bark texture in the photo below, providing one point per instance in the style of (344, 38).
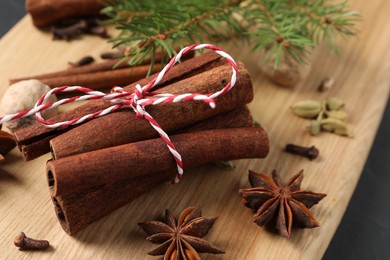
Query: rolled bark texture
(125, 127)
(47, 12)
(89, 186)
(104, 66)
(33, 141)
(102, 79)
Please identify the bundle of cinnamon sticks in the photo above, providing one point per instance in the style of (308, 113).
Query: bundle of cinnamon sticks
(109, 161)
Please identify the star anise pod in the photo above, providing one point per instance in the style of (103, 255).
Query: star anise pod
(181, 239)
(278, 204)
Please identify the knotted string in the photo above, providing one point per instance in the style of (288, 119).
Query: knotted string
(137, 100)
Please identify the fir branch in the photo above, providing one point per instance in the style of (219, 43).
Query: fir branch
(287, 28)
(172, 24)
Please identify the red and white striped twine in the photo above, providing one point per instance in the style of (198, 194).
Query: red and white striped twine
(136, 100)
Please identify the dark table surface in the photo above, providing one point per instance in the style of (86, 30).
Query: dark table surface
(364, 232)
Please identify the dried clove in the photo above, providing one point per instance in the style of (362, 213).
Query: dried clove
(99, 31)
(26, 243)
(73, 28)
(111, 55)
(92, 22)
(69, 32)
(309, 152)
(83, 61)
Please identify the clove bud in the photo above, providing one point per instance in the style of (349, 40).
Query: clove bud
(69, 32)
(26, 243)
(83, 61)
(111, 55)
(309, 152)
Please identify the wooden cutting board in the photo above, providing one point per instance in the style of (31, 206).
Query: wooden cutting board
(361, 74)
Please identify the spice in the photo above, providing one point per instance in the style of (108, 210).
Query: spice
(24, 95)
(76, 211)
(171, 116)
(7, 143)
(328, 116)
(325, 84)
(107, 65)
(307, 108)
(80, 172)
(280, 205)
(309, 152)
(82, 62)
(334, 104)
(33, 141)
(289, 73)
(111, 55)
(181, 239)
(99, 30)
(26, 243)
(73, 30)
(102, 79)
(69, 32)
(95, 27)
(44, 12)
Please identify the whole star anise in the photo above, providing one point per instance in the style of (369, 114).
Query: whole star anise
(181, 239)
(278, 204)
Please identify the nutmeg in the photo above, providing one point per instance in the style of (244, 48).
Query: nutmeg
(24, 95)
(288, 74)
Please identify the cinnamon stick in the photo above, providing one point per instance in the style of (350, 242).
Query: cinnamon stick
(237, 118)
(79, 172)
(46, 12)
(33, 141)
(77, 210)
(7, 142)
(107, 65)
(102, 79)
(93, 67)
(124, 127)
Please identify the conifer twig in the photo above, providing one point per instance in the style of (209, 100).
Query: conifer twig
(285, 28)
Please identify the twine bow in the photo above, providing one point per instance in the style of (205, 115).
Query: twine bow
(137, 100)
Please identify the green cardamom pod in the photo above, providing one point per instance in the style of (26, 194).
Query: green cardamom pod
(337, 114)
(307, 108)
(335, 126)
(315, 127)
(334, 103)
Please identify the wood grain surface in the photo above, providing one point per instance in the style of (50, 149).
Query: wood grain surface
(361, 74)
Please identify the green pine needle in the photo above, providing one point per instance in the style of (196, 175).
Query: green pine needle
(288, 28)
